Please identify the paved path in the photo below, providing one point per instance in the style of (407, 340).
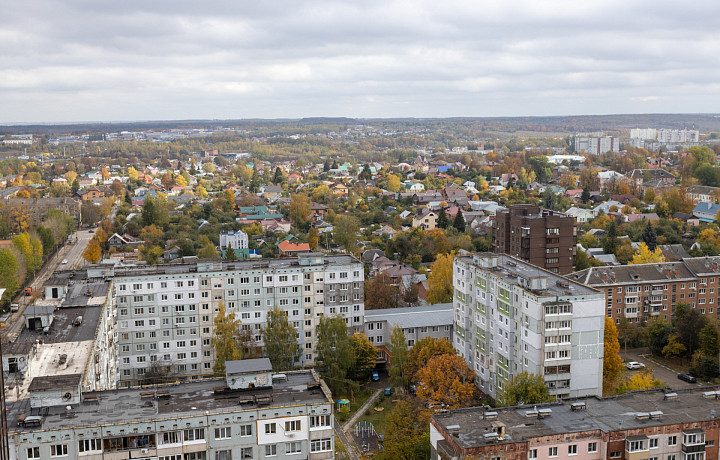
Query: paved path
(660, 371)
(350, 446)
(371, 400)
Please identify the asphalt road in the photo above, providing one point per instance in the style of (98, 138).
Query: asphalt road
(660, 371)
(70, 252)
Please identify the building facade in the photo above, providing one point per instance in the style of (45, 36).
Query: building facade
(678, 136)
(644, 291)
(234, 240)
(287, 416)
(166, 313)
(651, 425)
(417, 323)
(542, 237)
(511, 317)
(597, 145)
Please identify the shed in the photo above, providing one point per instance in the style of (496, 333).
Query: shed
(55, 390)
(248, 373)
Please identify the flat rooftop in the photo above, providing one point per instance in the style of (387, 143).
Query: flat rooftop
(184, 399)
(62, 328)
(421, 316)
(509, 269)
(606, 415)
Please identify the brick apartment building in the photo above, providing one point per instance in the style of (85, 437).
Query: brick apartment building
(643, 291)
(654, 425)
(541, 237)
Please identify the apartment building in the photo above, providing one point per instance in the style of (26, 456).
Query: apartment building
(643, 291)
(511, 316)
(597, 145)
(251, 414)
(234, 240)
(166, 312)
(651, 425)
(678, 136)
(416, 323)
(542, 237)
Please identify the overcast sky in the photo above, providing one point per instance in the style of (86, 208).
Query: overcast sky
(94, 60)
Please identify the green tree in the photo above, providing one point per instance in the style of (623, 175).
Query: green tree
(406, 437)
(688, 322)
(709, 340)
(585, 197)
(542, 168)
(658, 332)
(226, 341)
(674, 348)
(207, 251)
(525, 388)
(279, 177)
(149, 212)
(365, 356)
(459, 221)
(334, 351)
(345, 231)
(442, 220)
(8, 273)
(150, 253)
(649, 236)
(281, 340)
(610, 240)
(612, 363)
(398, 356)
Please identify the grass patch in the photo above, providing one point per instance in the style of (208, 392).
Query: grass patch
(340, 451)
(360, 397)
(379, 418)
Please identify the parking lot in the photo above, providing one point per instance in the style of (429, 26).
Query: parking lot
(660, 371)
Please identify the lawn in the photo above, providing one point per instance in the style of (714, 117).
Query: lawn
(360, 397)
(379, 418)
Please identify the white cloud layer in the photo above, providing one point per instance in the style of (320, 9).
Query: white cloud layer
(89, 60)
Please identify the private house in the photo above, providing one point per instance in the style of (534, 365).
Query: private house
(706, 212)
(288, 249)
(425, 219)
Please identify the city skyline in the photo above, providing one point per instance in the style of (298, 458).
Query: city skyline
(74, 62)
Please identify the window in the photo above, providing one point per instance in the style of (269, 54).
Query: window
(222, 433)
(227, 454)
(293, 447)
(33, 452)
(271, 450)
(615, 454)
(572, 449)
(246, 430)
(592, 448)
(532, 453)
(635, 446)
(270, 428)
(58, 450)
(319, 420)
(653, 443)
(292, 425)
(320, 445)
(672, 440)
(552, 452)
(169, 437)
(245, 452)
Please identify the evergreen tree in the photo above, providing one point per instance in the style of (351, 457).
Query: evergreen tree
(442, 220)
(610, 240)
(649, 236)
(326, 166)
(255, 181)
(278, 178)
(75, 186)
(585, 197)
(398, 349)
(459, 222)
(548, 199)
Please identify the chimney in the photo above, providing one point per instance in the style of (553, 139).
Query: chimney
(715, 266)
(677, 272)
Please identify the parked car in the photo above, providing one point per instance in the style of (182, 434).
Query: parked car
(375, 376)
(687, 378)
(388, 391)
(633, 365)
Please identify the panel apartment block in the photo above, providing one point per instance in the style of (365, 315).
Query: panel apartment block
(203, 420)
(540, 236)
(644, 291)
(511, 317)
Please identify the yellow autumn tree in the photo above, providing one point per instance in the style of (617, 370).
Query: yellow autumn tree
(446, 379)
(643, 255)
(201, 192)
(612, 363)
(226, 343)
(70, 176)
(641, 381)
(440, 281)
(93, 252)
(180, 181)
(132, 173)
(394, 184)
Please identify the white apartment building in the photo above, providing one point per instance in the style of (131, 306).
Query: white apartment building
(234, 240)
(597, 145)
(643, 133)
(678, 136)
(281, 416)
(166, 313)
(511, 317)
